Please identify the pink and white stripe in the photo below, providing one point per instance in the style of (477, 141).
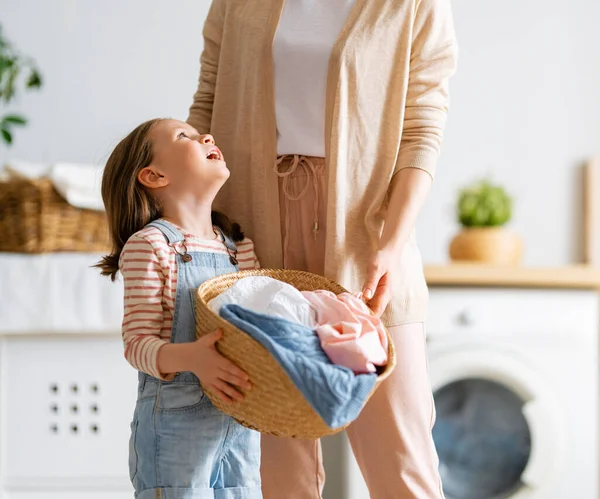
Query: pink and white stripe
(149, 271)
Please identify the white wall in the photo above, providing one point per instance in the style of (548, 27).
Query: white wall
(525, 107)
(107, 67)
(525, 101)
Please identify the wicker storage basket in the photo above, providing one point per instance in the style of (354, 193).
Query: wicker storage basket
(34, 218)
(274, 405)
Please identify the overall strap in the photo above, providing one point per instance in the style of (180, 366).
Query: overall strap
(230, 245)
(171, 233)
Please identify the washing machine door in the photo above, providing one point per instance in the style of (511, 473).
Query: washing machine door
(498, 431)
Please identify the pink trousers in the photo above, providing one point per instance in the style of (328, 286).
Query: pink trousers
(391, 439)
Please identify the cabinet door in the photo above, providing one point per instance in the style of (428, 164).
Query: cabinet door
(67, 405)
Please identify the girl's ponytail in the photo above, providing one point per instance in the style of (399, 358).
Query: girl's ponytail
(229, 228)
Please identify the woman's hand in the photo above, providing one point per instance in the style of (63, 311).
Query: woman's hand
(408, 191)
(215, 371)
(377, 290)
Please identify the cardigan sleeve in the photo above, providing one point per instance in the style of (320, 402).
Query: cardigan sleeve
(200, 114)
(432, 63)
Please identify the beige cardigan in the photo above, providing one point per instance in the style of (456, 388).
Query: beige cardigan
(387, 97)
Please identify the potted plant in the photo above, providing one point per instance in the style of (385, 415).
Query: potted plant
(15, 70)
(483, 209)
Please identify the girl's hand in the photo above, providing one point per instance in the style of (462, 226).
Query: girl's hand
(215, 371)
(377, 290)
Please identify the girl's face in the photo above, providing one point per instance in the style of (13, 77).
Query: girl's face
(185, 162)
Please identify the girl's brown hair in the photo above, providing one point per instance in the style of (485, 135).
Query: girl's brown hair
(129, 207)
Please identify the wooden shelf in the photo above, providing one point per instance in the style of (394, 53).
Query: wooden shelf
(472, 274)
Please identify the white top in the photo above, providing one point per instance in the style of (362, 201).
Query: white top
(305, 36)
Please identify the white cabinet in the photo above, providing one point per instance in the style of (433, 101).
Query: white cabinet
(66, 402)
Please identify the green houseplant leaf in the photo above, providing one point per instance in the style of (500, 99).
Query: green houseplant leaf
(34, 80)
(12, 66)
(6, 136)
(483, 204)
(14, 119)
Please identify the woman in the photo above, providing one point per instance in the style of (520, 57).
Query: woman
(331, 116)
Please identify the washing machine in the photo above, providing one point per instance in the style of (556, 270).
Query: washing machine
(514, 374)
(515, 379)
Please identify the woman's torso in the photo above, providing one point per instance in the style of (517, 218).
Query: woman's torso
(367, 94)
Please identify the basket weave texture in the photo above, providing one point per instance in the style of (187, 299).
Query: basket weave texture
(34, 218)
(274, 405)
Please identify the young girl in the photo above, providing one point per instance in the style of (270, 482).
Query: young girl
(158, 188)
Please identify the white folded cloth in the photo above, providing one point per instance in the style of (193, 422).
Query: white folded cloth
(268, 296)
(79, 184)
(18, 168)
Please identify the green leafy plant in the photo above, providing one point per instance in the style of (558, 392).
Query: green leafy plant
(15, 70)
(483, 204)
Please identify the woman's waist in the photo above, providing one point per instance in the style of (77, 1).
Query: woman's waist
(299, 165)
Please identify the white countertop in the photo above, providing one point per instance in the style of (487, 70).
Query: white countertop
(57, 293)
(60, 293)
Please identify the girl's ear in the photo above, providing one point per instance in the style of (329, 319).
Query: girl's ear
(152, 178)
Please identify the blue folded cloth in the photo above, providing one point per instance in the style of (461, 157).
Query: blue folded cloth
(334, 392)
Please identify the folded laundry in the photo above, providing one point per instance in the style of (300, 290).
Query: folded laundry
(334, 392)
(78, 184)
(350, 334)
(17, 168)
(268, 296)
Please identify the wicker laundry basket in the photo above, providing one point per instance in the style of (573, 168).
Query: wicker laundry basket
(34, 218)
(274, 405)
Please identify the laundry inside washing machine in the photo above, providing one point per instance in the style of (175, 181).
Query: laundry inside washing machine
(482, 439)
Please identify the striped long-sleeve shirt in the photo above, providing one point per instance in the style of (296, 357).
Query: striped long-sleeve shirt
(149, 271)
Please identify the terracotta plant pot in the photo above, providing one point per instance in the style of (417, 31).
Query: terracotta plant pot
(494, 245)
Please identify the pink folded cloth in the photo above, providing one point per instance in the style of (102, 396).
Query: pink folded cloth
(350, 334)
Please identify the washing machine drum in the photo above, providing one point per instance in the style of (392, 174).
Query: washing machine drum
(494, 434)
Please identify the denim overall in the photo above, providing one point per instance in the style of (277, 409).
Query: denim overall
(181, 446)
